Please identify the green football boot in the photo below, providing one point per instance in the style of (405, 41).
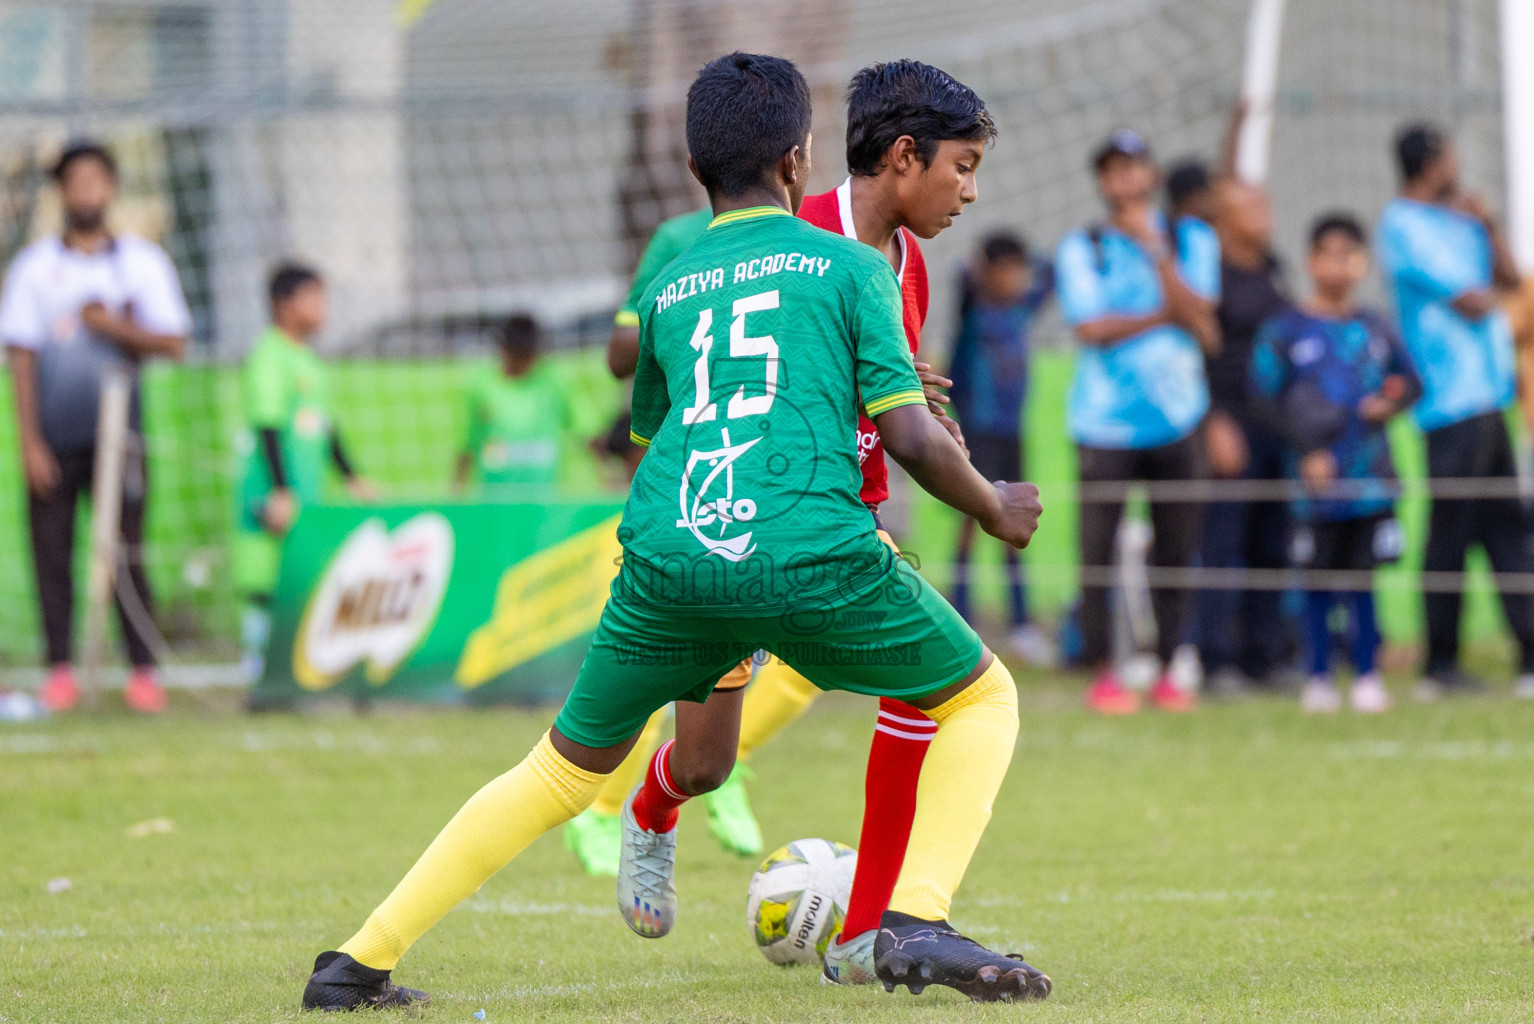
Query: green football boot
(729, 815)
(595, 839)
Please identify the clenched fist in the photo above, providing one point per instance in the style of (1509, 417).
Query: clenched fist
(1017, 514)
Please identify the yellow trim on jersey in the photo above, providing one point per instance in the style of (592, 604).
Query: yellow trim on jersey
(643, 442)
(626, 318)
(899, 398)
(749, 213)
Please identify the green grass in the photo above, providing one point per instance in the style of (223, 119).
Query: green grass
(1243, 863)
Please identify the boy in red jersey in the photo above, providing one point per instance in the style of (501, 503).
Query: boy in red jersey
(915, 138)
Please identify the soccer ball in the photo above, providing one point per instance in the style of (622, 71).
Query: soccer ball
(798, 900)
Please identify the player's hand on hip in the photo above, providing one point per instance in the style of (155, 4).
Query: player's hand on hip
(1017, 514)
(41, 468)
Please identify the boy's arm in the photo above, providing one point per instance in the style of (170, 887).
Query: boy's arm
(913, 438)
(264, 390)
(892, 396)
(1405, 394)
(358, 486)
(1043, 285)
(474, 429)
(623, 343)
(24, 330)
(1415, 255)
(651, 399)
(1192, 284)
(1504, 268)
(1294, 408)
(338, 456)
(1083, 303)
(1269, 377)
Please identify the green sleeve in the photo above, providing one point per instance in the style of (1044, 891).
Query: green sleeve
(886, 376)
(652, 400)
(661, 251)
(265, 385)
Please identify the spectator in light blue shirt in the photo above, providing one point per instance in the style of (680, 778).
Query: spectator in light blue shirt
(1140, 294)
(1449, 267)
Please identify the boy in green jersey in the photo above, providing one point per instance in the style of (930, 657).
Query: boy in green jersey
(744, 531)
(517, 417)
(669, 241)
(288, 440)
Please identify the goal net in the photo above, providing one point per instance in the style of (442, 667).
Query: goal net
(445, 162)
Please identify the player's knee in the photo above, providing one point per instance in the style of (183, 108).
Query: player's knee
(994, 689)
(701, 776)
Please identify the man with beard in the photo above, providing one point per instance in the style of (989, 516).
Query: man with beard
(76, 306)
(1450, 268)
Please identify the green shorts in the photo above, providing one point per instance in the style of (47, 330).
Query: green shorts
(899, 638)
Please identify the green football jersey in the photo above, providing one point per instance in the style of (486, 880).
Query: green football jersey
(668, 242)
(515, 426)
(758, 346)
(284, 387)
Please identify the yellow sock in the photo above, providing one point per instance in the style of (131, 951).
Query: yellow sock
(497, 823)
(631, 772)
(963, 770)
(775, 697)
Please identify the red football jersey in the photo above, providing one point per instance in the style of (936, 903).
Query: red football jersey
(833, 211)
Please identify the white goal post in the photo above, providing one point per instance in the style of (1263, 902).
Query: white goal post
(1517, 32)
(1259, 85)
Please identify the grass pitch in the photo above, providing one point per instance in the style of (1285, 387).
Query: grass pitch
(1243, 863)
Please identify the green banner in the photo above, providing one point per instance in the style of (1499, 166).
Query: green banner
(479, 602)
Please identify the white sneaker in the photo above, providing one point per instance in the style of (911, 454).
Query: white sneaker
(1186, 669)
(1320, 697)
(1368, 695)
(646, 876)
(1030, 644)
(851, 962)
(1523, 686)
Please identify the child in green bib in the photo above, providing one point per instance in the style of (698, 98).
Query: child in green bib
(517, 418)
(289, 438)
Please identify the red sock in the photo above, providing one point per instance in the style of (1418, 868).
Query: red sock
(889, 805)
(656, 806)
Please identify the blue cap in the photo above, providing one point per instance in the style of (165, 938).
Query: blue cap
(1123, 142)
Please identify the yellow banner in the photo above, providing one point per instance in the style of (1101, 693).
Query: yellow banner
(542, 602)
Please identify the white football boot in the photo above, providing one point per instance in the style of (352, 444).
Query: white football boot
(851, 962)
(646, 876)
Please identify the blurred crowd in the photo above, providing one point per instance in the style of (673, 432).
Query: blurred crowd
(1206, 368)
(1249, 400)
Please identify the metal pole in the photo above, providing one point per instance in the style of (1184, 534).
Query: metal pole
(106, 523)
(1259, 85)
(1518, 125)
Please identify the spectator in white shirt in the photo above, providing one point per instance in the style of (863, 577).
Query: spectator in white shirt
(73, 307)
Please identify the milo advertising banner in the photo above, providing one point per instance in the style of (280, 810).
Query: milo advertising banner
(478, 602)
